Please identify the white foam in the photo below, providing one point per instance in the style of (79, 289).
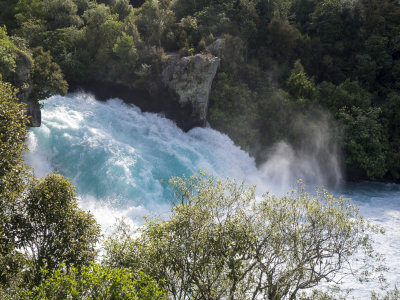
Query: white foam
(121, 159)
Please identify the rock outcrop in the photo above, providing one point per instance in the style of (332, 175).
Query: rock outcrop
(188, 80)
(22, 72)
(217, 48)
(181, 91)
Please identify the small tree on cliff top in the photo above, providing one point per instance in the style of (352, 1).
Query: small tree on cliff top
(222, 242)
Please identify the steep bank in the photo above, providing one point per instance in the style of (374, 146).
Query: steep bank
(181, 92)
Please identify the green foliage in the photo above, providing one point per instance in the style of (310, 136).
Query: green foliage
(220, 242)
(125, 49)
(41, 224)
(109, 31)
(29, 10)
(15, 63)
(12, 132)
(64, 44)
(347, 94)
(54, 230)
(152, 20)
(96, 15)
(327, 20)
(61, 13)
(122, 8)
(364, 142)
(7, 54)
(96, 282)
(52, 14)
(47, 77)
(300, 86)
(7, 12)
(281, 40)
(391, 110)
(82, 5)
(12, 176)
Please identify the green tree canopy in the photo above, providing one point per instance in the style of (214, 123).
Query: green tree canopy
(54, 230)
(364, 142)
(222, 242)
(12, 176)
(47, 77)
(96, 282)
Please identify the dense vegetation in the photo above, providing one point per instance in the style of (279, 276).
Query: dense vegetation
(285, 63)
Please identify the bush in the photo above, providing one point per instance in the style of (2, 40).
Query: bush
(222, 242)
(12, 176)
(96, 282)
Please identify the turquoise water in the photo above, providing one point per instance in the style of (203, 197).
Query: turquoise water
(121, 159)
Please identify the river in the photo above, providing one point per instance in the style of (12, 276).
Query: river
(121, 159)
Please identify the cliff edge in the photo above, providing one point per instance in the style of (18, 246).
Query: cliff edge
(188, 80)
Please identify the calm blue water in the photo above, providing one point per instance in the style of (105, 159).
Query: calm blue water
(121, 159)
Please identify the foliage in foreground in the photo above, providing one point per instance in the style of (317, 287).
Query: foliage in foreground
(12, 175)
(223, 242)
(41, 224)
(96, 282)
(54, 230)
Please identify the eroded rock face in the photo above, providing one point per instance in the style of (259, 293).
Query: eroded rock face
(217, 48)
(23, 69)
(189, 80)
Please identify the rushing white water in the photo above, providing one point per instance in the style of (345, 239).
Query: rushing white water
(121, 159)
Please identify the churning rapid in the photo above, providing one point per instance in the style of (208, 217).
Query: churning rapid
(121, 159)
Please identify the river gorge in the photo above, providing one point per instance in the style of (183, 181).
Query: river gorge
(121, 159)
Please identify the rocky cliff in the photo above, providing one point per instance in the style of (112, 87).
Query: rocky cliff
(188, 80)
(181, 92)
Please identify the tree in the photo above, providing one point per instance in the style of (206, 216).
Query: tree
(8, 54)
(47, 77)
(12, 135)
(346, 94)
(222, 242)
(61, 13)
(95, 17)
(152, 20)
(391, 112)
(300, 86)
(41, 224)
(53, 229)
(125, 49)
(29, 10)
(327, 21)
(7, 12)
(13, 174)
(122, 8)
(364, 142)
